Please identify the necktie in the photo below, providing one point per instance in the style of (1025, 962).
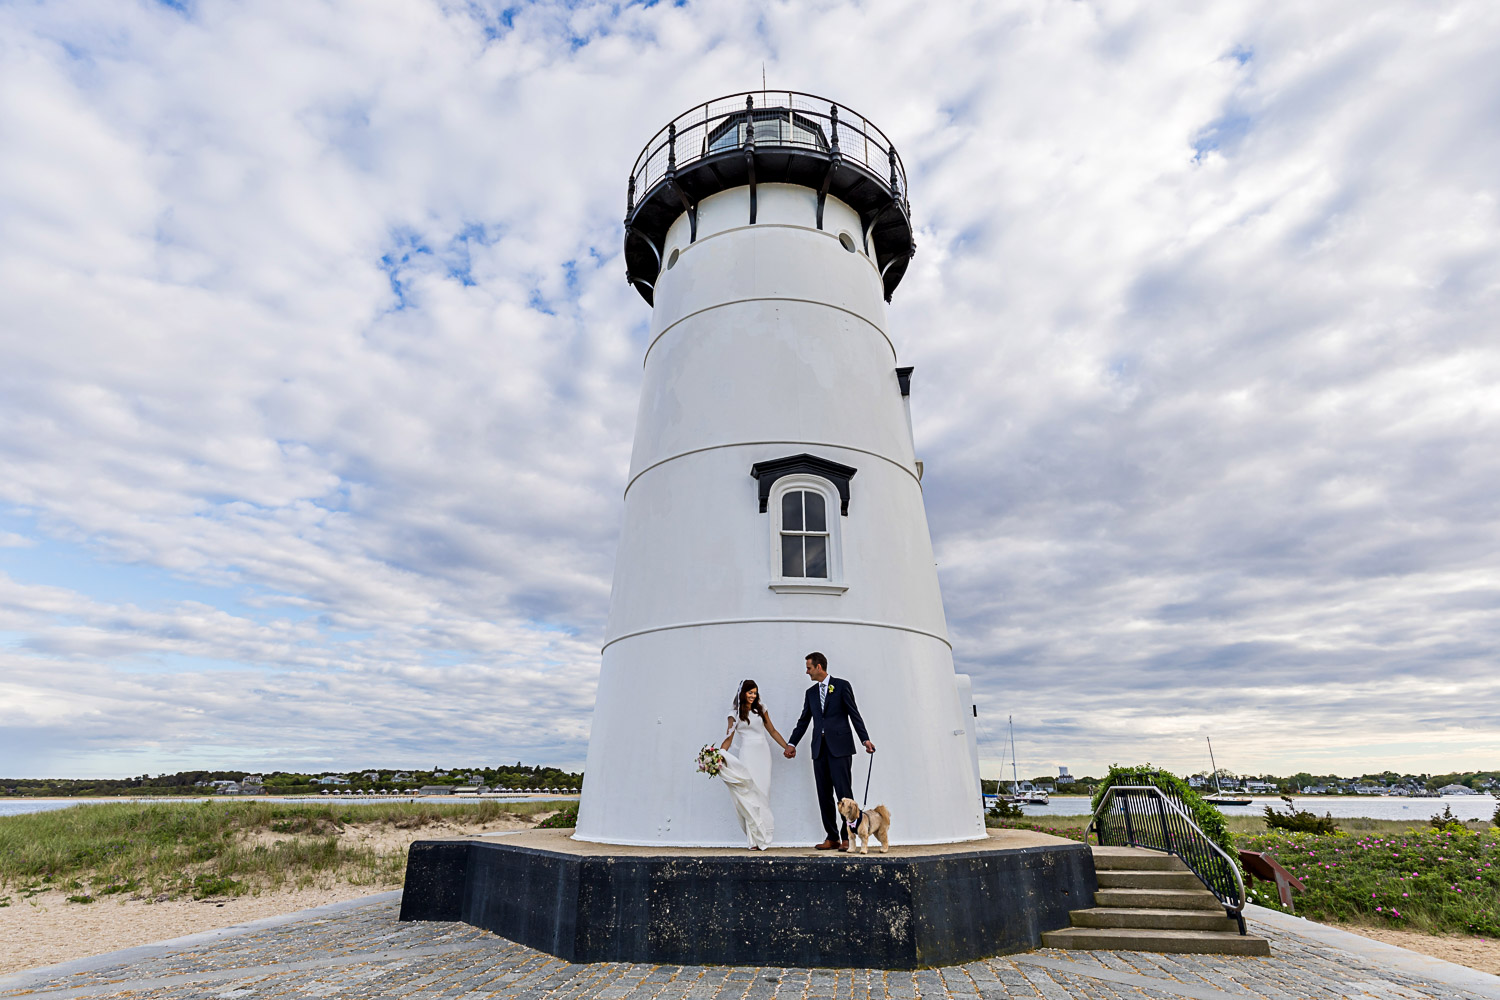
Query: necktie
(823, 695)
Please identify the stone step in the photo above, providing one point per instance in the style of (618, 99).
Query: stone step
(1121, 879)
(1142, 939)
(1135, 859)
(1175, 920)
(1159, 899)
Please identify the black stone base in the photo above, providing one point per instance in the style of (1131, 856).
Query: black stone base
(698, 908)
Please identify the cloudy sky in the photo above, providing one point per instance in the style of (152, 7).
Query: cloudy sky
(318, 368)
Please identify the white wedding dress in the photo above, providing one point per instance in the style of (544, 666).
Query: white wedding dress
(747, 775)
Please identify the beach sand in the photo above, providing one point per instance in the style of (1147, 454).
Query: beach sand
(46, 928)
(1461, 949)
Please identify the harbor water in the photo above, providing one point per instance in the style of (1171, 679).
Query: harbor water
(1338, 806)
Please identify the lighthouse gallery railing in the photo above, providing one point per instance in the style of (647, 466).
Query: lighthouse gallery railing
(779, 118)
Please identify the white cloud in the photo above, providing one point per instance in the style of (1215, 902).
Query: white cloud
(319, 310)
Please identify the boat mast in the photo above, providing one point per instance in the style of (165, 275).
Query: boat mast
(1217, 790)
(1015, 782)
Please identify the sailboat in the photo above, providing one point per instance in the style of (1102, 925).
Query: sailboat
(1022, 792)
(1219, 798)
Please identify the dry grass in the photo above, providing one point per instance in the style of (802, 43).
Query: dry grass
(215, 848)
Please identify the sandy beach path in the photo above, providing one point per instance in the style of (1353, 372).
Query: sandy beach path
(1463, 949)
(47, 929)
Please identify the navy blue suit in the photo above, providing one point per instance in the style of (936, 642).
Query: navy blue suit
(832, 747)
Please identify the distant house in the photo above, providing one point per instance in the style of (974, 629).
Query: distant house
(1261, 787)
(401, 776)
(227, 787)
(435, 790)
(1456, 790)
(372, 775)
(333, 779)
(469, 789)
(440, 774)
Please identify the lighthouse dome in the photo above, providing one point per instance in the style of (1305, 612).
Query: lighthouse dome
(768, 137)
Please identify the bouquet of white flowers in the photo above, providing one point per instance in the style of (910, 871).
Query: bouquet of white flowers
(710, 760)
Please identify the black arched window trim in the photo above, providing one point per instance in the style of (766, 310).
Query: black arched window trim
(766, 474)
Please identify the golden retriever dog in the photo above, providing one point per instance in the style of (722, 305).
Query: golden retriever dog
(864, 825)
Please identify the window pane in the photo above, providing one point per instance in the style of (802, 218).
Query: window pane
(817, 555)
(791, 555)
(791, 512)
(816, 520)
(727, 136)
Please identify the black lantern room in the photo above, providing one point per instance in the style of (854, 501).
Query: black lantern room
(766, 137)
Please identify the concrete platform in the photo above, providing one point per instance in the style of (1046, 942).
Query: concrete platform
(913, 907)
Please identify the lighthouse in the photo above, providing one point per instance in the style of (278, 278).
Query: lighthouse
(774, 501)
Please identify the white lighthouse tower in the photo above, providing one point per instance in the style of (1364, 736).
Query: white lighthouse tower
(774, 500)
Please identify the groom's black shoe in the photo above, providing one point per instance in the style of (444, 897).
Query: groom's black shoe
(827, 845)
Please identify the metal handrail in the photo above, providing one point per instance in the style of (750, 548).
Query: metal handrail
(1190, 852)
(834, 128)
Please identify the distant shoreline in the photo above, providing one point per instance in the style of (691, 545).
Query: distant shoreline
(385, 797)
(25, 805)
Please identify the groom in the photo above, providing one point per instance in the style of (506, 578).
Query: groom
(830, 707)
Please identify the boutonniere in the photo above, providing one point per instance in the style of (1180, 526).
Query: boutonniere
(830, 687)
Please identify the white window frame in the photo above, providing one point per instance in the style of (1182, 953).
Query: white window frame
(834, 584)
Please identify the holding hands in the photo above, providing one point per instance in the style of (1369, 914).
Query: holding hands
(789, 752)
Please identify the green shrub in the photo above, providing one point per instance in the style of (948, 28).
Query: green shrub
(130, 885)
(1209, 819)
(1296, 820)
(216, 885)
(1445, 820)
(564, 819)
(1005, 810)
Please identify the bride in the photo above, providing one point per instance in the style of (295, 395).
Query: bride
(747, 774)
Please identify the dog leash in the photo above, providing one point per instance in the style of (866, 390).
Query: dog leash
(861, 815)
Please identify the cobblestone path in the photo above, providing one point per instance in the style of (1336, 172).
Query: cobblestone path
(366, 952)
